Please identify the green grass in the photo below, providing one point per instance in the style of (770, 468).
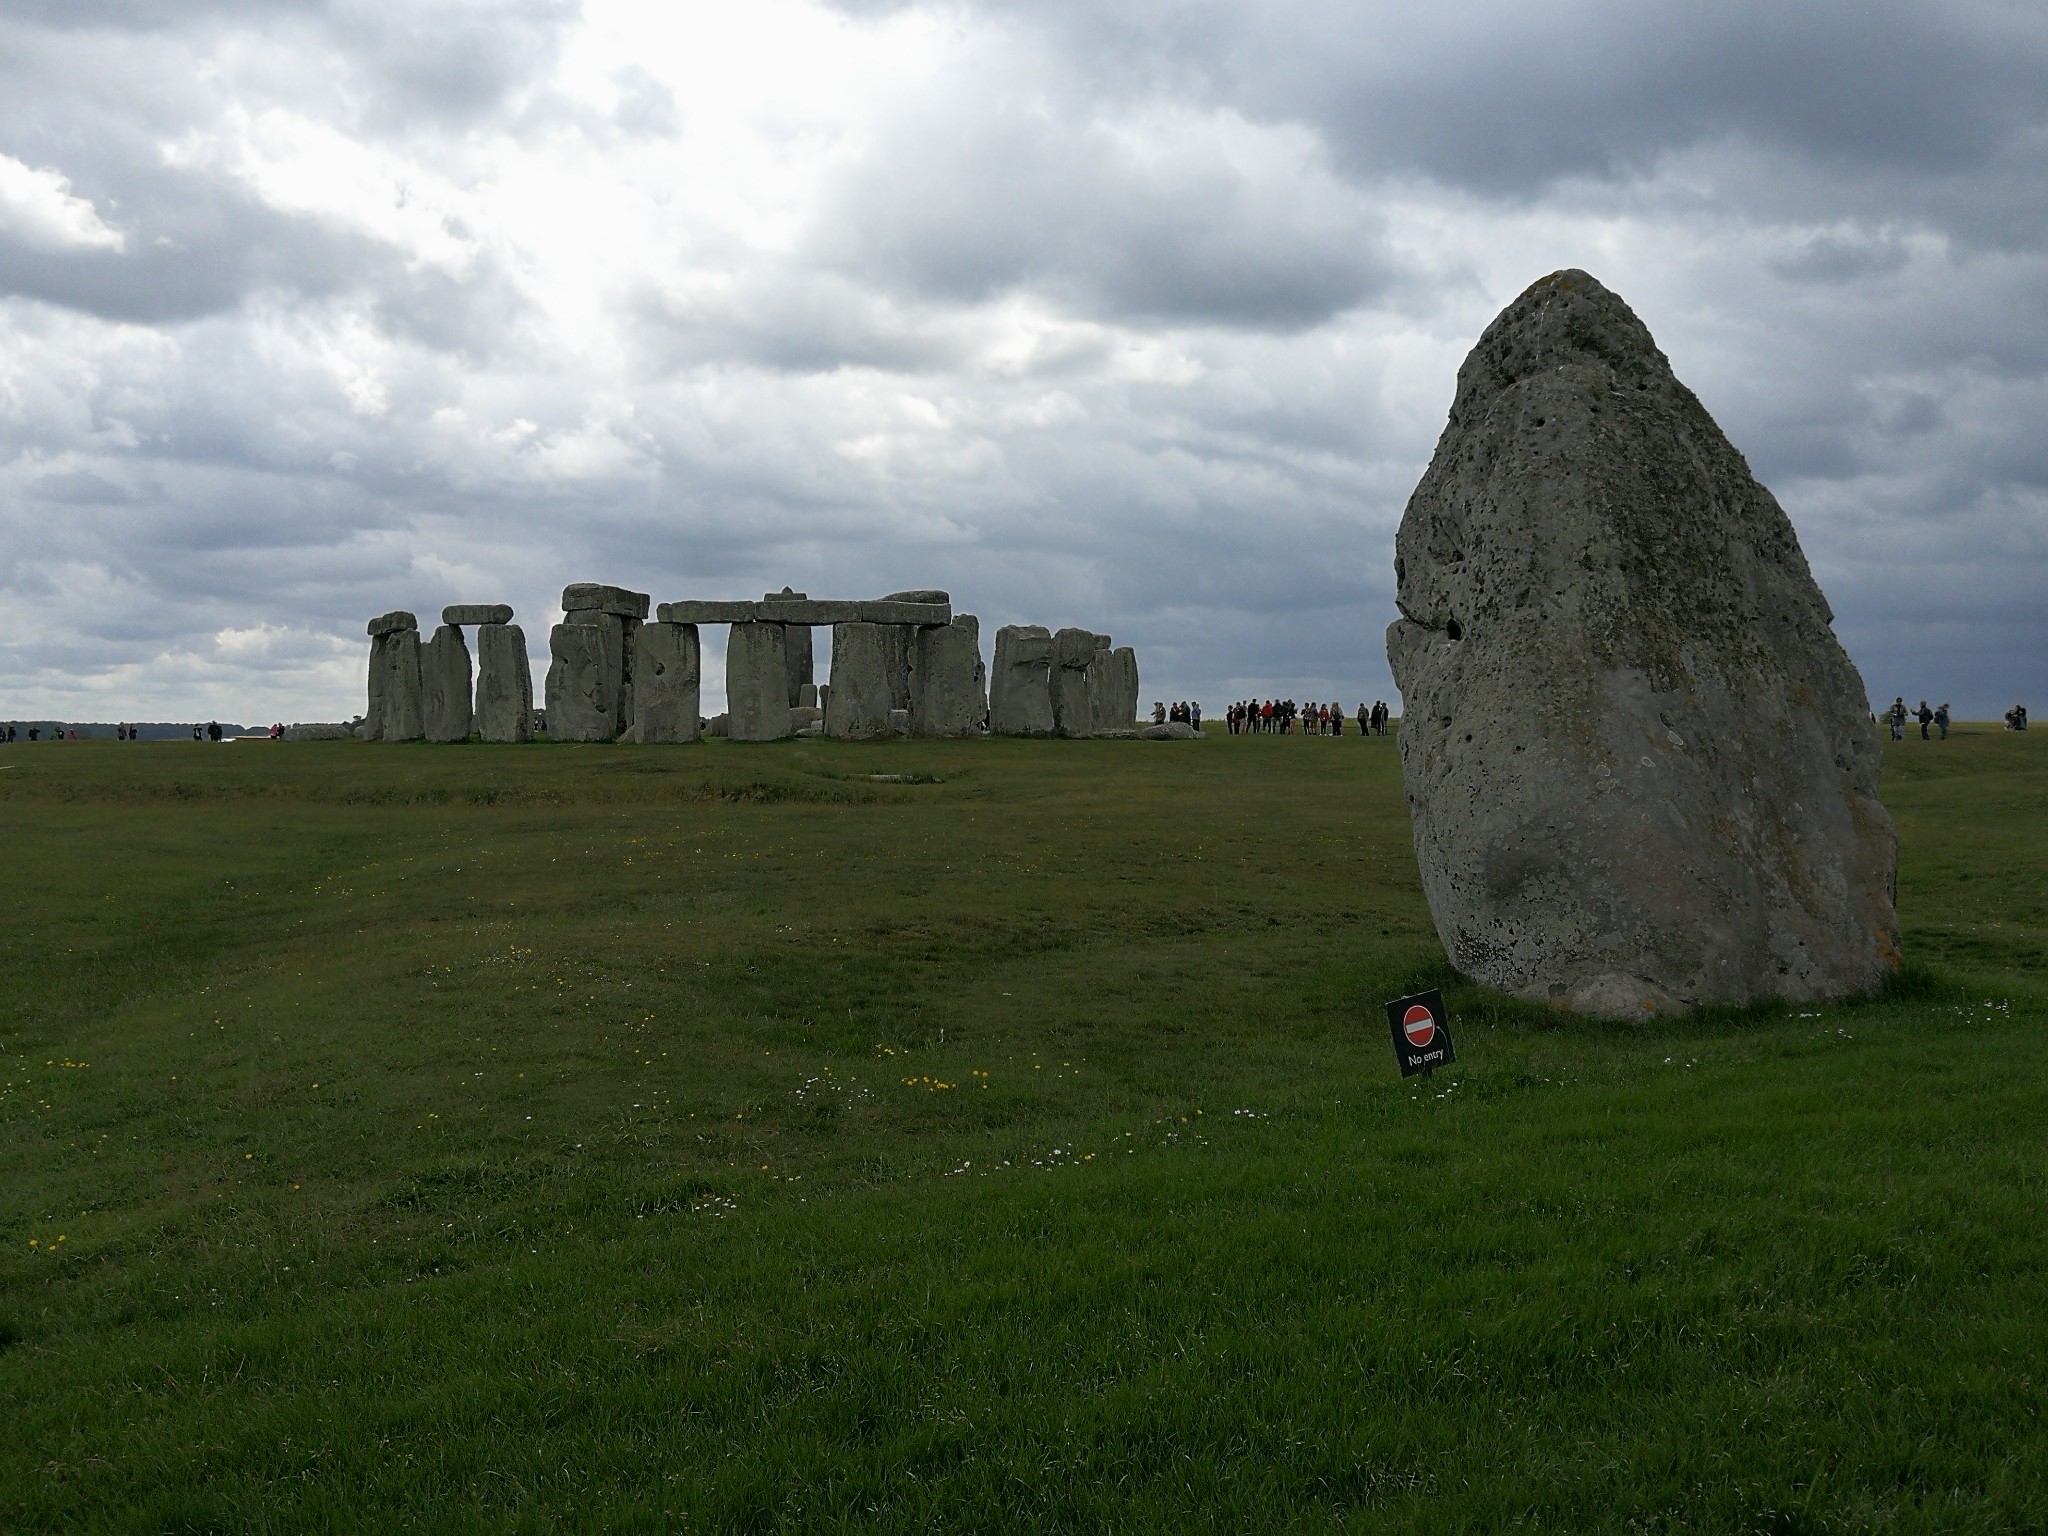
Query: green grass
(725, 1138)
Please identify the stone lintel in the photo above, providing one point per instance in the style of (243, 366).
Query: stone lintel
(709, 613)
(812, 612)
(884, 611)
(613, 600)
(392, 622)
(477, 613)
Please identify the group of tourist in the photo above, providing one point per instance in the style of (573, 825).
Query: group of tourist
(2016, 718)
(35, 733)
(1897, 716)
(1284, 717)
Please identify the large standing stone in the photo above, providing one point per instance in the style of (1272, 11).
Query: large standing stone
(756, 683)
(1638, 762)
(798, 659)
(1073, 711)
(901, 643)
(863, 662)
(950, 692)
(1019, 687)
(618, 613)
(445, 683)
(1113, 688)
(504, 684)
(396, 707)
(582, 683)
(667, 673)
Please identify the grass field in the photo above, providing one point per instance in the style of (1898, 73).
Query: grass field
(978, 1136)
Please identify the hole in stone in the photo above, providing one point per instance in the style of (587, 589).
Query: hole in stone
(1453, 631)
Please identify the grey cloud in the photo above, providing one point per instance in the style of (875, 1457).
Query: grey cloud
(967, 200)
(77, 488)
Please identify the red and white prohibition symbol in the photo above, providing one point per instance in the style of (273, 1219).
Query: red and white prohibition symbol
(1418, 1024)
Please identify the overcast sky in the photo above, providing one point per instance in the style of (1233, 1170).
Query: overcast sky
(1130, 314)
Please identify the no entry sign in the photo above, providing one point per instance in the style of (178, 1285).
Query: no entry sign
(1422, 1032)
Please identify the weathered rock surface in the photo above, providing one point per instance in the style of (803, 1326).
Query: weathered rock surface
(1173, 730)
(1073, 711)
(1638, 762)
(901, 640)
(396, 711)
(618, 657)
(390, 623)
(885, 610)
(859, 697)
(1019, 684)
(668, 669)
(698, 612)
(949, 684)
(319, 730)
(918, 595)
(1113, 689)
(756, 683)
(504, 684)
(807, 697)
(899, 722)
(445, 685)
(595, 596)
(477, 613)
(582, 683)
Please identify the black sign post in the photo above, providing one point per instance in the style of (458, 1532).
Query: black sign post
(1422, 1032)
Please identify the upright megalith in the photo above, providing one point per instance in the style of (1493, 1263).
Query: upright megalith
(949, 694)
(667, 680)
(618, 613)
(1073, 711)
(1113, 688)
(504, 684)
(861, 696)
(396, 703)
(798, 656)
(582, 683)
(1638, 762)
(1019, 683)
(756, 683)
(445, 685)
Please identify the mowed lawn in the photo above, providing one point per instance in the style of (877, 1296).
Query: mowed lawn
(982, 1136)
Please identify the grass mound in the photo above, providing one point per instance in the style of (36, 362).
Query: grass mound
(979, 1136)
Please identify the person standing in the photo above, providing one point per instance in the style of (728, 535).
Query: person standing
(1941, 721)
(1925, 716)
(1896, 715)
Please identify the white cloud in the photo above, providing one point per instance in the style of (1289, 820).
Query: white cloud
(38, 209)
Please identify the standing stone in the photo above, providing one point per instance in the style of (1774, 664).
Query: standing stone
(504, 684)
(1114, 689)
(667, 671)
(799, 660)
(396, 706)
(619, 614)
(900, 640)
(1101, 704)
(1019, 688)
(445, 683)
(863, 660)
(756, 683)
(1073, 712)
(582, 684)
(950, 692)
(807, 697)
(1637, 760)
